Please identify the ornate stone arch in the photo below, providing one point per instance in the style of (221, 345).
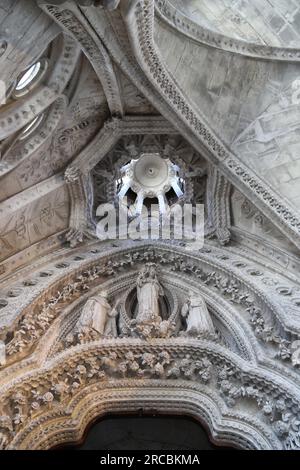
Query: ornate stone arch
(47, 372)
(94, 402)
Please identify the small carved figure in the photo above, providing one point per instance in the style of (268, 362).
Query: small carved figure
(98, 315)
(111, 323)
(148, 292)
(197, 317)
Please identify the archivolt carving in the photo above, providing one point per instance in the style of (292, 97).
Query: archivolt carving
(265, 317)
(224, 426)
(48, 393)
(48, 378)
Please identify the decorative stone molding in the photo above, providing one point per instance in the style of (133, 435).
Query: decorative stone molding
(218, 205)
(95, 51)
(77, 222)
(44, 393)
(240, 374)
(225, 426)
(180, 22)
(266, 316)
(267, 195)
(46, 380)
(109, 4)
(22, 226)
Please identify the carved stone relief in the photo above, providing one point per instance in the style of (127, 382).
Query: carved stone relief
(84, 324)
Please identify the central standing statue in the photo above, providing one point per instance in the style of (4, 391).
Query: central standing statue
(148, 292)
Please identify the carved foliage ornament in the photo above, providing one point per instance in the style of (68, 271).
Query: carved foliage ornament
(33, 324)
(48, 393)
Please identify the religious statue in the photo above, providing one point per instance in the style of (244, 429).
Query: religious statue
(98, 315)
(197, 317)
(2, 353)
(148, 292)
(111, 322)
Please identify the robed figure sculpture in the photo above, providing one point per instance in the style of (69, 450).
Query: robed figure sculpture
(198, 320)
(98, 315)
(148, 292)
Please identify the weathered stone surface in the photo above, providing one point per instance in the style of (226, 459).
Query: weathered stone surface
(211, 91)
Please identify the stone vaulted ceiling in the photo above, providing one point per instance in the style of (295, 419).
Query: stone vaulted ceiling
(87, 86)
(269, 22)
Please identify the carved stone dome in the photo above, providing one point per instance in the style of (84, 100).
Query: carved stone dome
(150, 176)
